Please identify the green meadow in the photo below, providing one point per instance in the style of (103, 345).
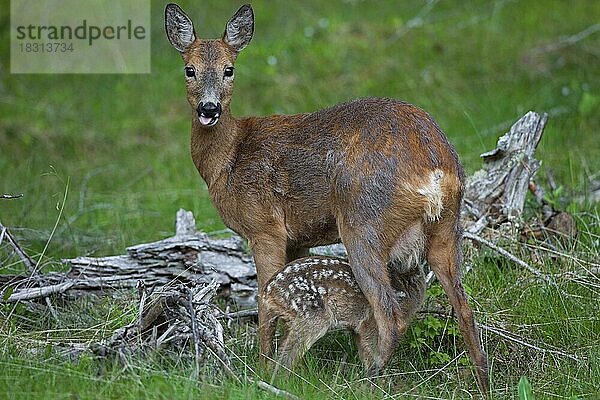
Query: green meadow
(103, 163)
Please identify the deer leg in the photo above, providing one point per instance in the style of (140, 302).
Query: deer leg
(267, 338)
(299, 337)
(444, 258)
(365, 337)
(269, 256)
(369, 269)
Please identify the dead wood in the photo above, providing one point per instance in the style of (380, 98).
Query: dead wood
(188, 257)
(507, 255)
(27, 261)
(171, 319)
(497, 191)
(11, 196)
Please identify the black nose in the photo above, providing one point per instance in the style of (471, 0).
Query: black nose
(209, 109)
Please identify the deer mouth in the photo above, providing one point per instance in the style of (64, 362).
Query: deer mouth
(208, 120)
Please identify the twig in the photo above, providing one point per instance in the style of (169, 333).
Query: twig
(506, 335)
(207, 293)
(253, 312)
(11, 196)
(508, 255)
(27, 261)
(44, 291)
(593, 272)
(195, 334)
(561, 254)
(566, 41)
(202, 334)
(52, 310)
(430, 278)
(509, 336)
(164, 338)
(31, 267)
(218, 354)
(411, 390)
(478, 226)
(415, 22)
(277, 392)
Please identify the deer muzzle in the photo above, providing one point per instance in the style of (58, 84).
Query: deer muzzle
(209, 113)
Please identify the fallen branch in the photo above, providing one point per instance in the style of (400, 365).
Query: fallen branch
(565, 41)
(40, 292)
(180, 314)
(508, 255)
(27, 261)
(252, 312)
(509, 336)
(513, 338)
(11, 196)
(277, 392)
(188, 257)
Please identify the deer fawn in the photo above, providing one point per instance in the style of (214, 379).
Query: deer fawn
(377, 174)
(314, 295)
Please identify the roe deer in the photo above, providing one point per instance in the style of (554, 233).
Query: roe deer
(315, 295)
(377, 174)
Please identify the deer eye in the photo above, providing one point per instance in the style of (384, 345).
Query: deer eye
(189, 72)
(228, 71)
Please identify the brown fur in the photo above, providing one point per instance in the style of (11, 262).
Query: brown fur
(377, 174)
(315, 295)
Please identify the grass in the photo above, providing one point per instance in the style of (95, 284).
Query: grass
(121, 141)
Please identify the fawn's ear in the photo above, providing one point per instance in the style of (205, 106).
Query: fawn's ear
(179, 27)
(240, 28)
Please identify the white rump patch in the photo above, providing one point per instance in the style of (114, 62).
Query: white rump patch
(432, 190)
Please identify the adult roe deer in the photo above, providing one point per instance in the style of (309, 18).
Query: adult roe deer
(377, 174)
(315, 295)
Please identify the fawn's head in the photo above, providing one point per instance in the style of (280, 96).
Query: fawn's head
(209, 64)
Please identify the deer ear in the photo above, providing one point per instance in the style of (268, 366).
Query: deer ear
(240, 28)
(179, 27)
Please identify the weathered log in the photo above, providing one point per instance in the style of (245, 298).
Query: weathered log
(497, 191)
(188, 257)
